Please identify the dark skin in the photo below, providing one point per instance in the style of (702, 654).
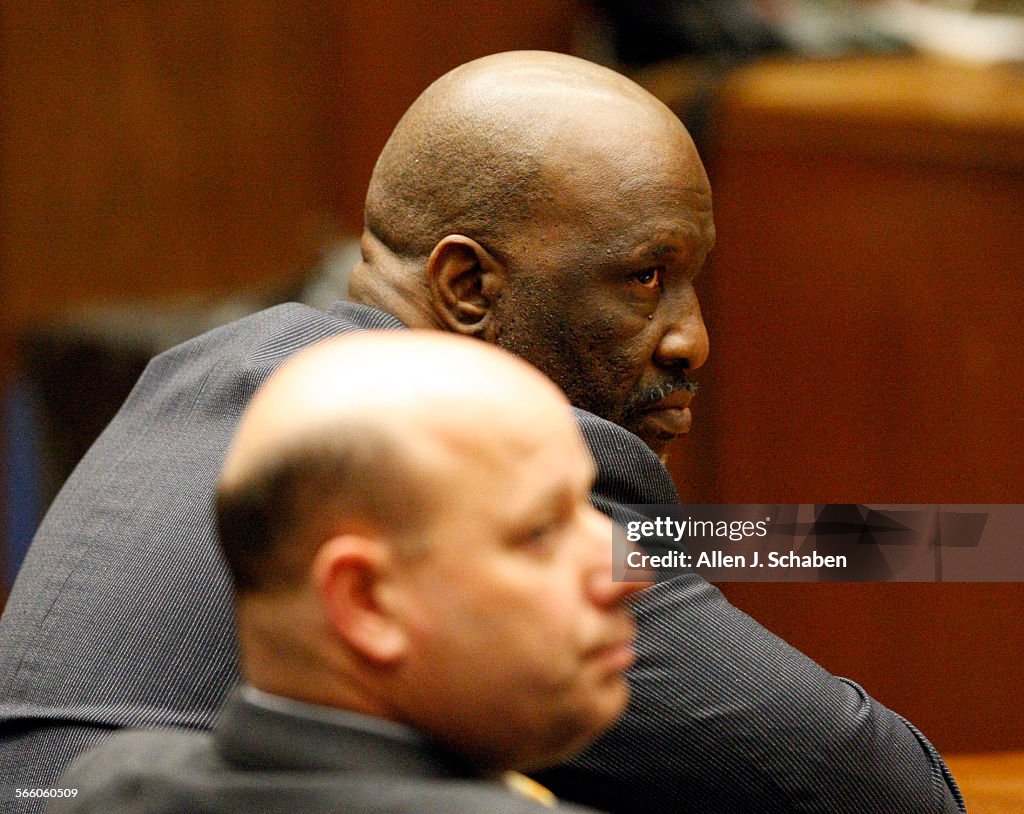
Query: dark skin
(596, 287)
(617, 291)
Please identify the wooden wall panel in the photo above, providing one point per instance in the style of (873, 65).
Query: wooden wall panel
(946, 656)
(151, 149)
(868, 336)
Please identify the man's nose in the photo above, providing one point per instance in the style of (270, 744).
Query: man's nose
(603, 590)
(608, 592)
(685, 340)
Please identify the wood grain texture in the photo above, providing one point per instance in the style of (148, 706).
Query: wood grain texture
(991, 783)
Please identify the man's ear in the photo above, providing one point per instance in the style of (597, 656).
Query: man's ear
(465, 280)
(350, 573)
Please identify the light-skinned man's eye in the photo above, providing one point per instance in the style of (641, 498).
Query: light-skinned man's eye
(542, 538)
(538, 535)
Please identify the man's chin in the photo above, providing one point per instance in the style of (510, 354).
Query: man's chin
(659, 445)
(656, 428)
(659, 428)
(655, 438)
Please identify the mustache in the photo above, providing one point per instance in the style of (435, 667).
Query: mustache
(652, 395)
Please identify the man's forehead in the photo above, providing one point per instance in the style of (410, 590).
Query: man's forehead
(659, 223)
(509, 429)
(506, 464)
(650, 169)
(690, 240)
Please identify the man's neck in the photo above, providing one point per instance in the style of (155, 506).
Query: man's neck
(393, 284)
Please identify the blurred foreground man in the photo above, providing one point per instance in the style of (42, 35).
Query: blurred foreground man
(424, 600)
(556, 209)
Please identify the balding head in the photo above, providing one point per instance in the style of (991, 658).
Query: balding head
(318, 438)
(407, 518)
(554, 207)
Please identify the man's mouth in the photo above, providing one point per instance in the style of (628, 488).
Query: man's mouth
(671, 415)
(617, 654)
(678, 399)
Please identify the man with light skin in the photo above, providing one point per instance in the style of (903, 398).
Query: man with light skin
(442, 580)
(553, 208)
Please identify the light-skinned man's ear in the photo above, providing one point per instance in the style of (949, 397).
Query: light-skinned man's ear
(352, 574)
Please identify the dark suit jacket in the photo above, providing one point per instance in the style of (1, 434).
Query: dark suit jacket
(121, 617)
(261, 761)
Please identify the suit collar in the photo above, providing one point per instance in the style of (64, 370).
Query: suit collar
(365, 316)
(249, 735)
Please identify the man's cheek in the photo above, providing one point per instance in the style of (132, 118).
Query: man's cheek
(625, 373)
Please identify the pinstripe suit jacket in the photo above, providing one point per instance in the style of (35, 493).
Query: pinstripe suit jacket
(121, 616)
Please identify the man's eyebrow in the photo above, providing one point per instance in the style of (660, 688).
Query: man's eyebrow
(659, 251)
(564, 494)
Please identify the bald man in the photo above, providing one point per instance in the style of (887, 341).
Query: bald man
(554, 208)
(424, 600)
(565, 217)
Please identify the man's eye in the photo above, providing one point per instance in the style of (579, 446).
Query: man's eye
(543, 536)
(649, 278)
(539, 534)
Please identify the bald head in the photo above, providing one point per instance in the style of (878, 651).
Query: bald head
(485, 143)
(349, 434)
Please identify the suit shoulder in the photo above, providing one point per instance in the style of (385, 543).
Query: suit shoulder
(628, 472)
(170, 772)
(222, 368)
(139, 772)
(279, 331)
